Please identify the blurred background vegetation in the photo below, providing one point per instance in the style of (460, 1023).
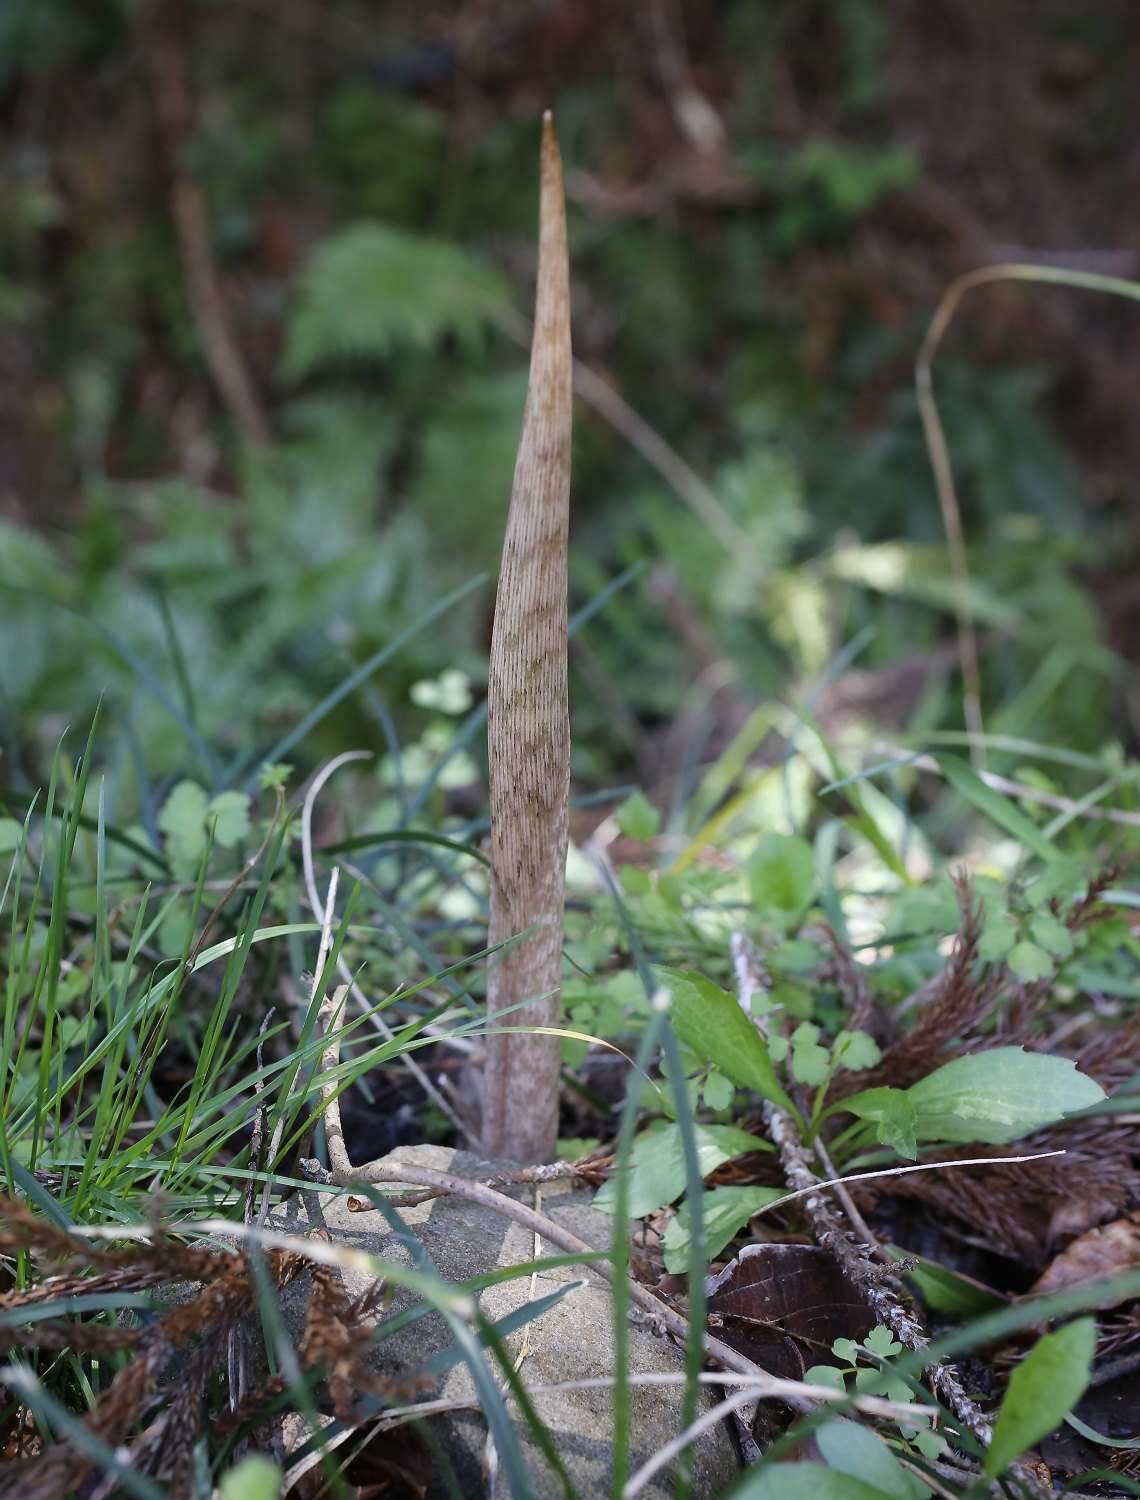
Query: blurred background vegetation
(263, 287)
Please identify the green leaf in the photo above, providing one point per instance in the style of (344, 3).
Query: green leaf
(998, 937)
(1029, 962)
(1044, 1388)
(254, 1478)
(782, 876)
(852, 1449)
(826, 1375)
(718, 1090)
(638, 818)
(183, 823)
(231, 811)
(710, 1022)
(811, 1062)
(11, 833)
(893, 1112)
(801, 1481)
(634, 880)
(881, 1341)
(1000, 810)
(855, 1050)
(726, 1211)
(1051, 934)
(657, 1168)
(945, 1291)
(371, 289)
(449, 693)
(998, 1096)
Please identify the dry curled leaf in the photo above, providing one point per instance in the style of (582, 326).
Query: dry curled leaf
(1099, 1253)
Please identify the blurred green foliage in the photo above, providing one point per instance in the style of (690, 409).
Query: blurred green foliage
(248, 587)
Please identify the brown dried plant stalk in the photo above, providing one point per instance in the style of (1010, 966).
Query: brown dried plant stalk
(528, 726)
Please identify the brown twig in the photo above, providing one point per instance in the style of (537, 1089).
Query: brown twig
(167, 27)
(833, 1235)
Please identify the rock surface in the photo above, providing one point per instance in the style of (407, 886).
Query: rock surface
(569, 1342)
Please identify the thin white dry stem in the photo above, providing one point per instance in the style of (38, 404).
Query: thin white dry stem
(346, 974)
(681, 478)
(939, 451)
(922, 1166)
(1083, 807)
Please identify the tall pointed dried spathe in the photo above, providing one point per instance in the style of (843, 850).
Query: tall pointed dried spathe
(528, 726)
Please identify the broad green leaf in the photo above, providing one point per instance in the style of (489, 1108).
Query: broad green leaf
(638, 818)
(893, 1113)
(999, 1096)
(782, 877)
(726, 1211)
(802, 1481)
(1044, 1388)
(11, 833)
(945, 1291)
(1029, 962)
(711, 1023)
(1000, 810)
(231, 812)
(826, 1375)
(658, 1165)
(852, 1449)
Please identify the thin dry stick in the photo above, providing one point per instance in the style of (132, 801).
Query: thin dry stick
(832, 1234)
(1084, 807)
(939, 451)
(346, 974)
(167, 25)
(679, 475)
(528, 725)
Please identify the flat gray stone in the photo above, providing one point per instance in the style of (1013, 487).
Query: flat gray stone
(571, 1341)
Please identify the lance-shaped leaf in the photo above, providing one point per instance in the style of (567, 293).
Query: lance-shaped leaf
(528, 727)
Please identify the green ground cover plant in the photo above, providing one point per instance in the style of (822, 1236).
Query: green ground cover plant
(815, 948)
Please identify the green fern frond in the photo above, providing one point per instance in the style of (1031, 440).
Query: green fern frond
(371, 289)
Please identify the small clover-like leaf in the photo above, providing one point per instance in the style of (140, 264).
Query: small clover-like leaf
(998, 937)
(1030, 962)
(638, 818)
(1050, 933)
(811, 1062)
(230, 812)
(856, 1050)
(826, 1375)
(846, 1349)
(449, 693)
(881, 1341)
(931, 1445)
(273, 775)
(182, 821)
